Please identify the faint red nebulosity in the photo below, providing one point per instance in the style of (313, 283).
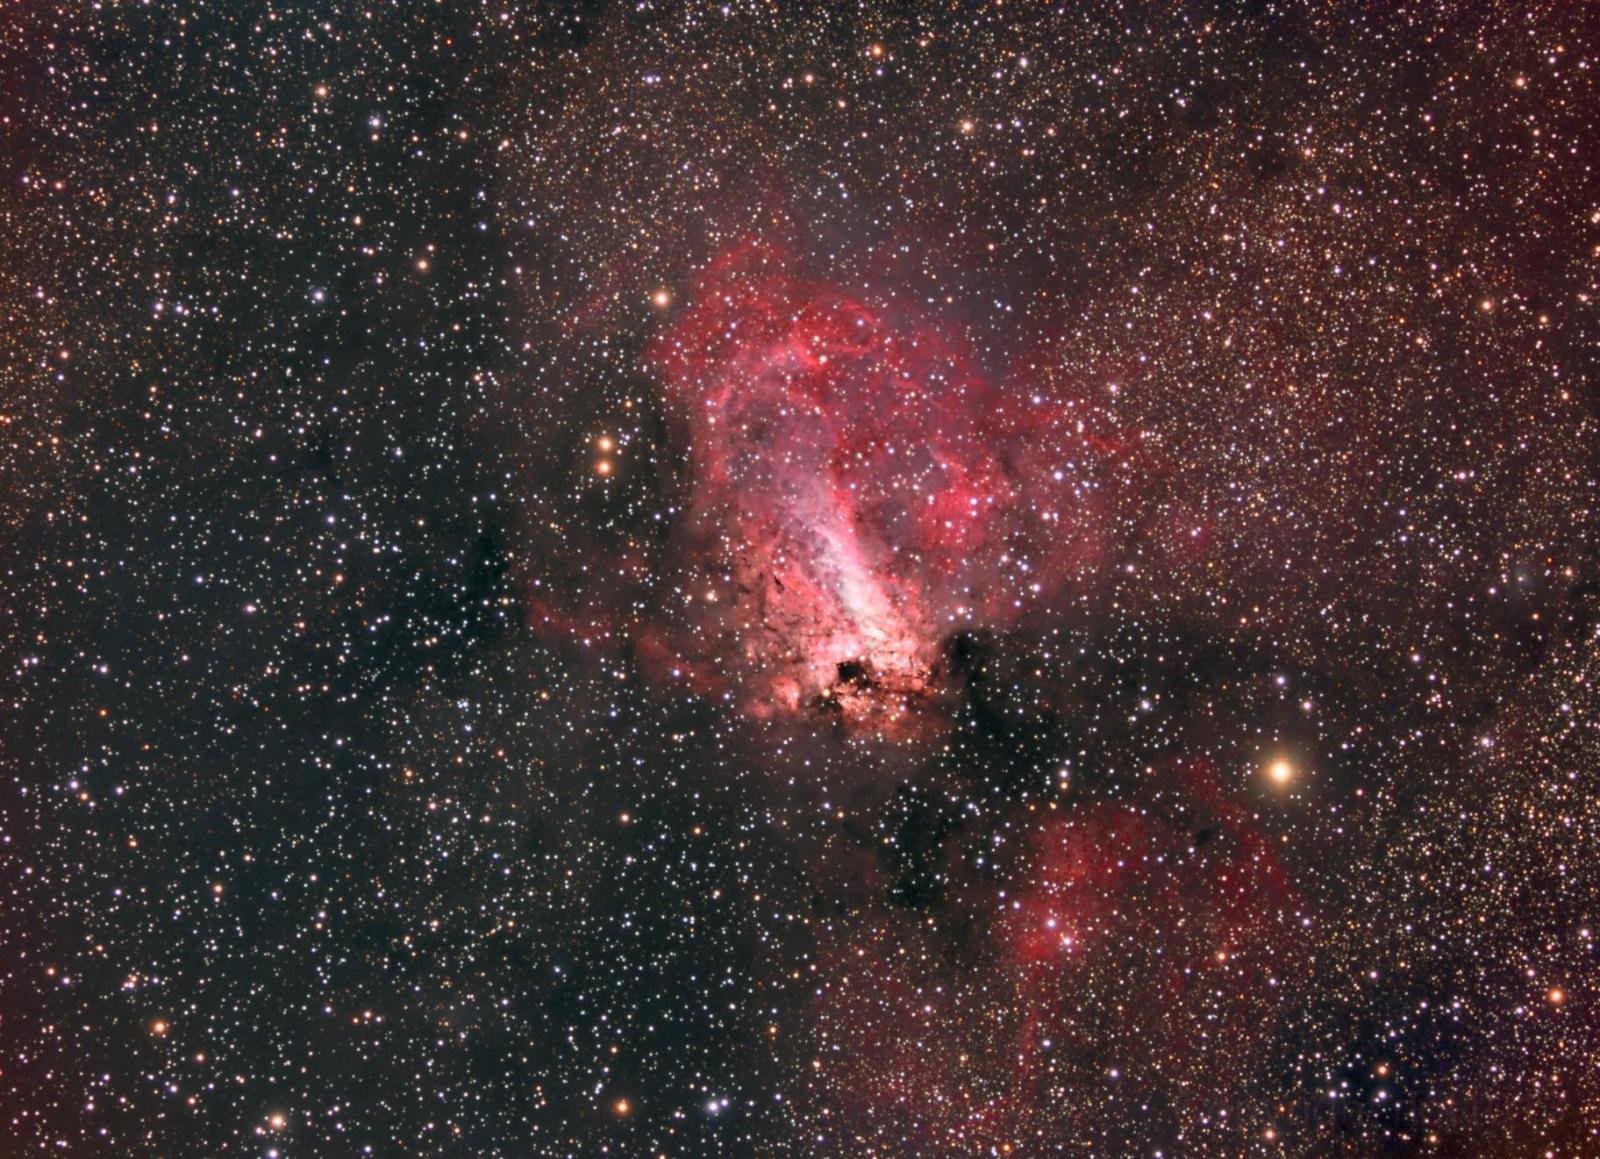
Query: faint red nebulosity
(1188, 904)
(1132, 925)
(858, 491)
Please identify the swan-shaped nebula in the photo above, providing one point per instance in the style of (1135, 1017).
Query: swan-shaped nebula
(859, 490)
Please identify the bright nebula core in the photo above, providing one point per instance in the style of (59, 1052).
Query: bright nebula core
(858, 490)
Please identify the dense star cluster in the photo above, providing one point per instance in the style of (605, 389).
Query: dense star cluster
(800, 580)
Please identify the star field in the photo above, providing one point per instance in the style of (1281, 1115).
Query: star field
(732, 579)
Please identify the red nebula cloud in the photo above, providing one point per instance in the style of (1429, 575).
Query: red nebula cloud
(1132, 926)
(859, 490)
(1199, 906)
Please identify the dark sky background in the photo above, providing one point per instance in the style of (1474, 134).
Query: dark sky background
(801, 580)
